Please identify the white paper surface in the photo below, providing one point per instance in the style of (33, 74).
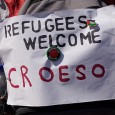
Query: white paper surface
(85, 71)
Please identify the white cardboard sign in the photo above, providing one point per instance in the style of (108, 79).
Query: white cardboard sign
(85, 70)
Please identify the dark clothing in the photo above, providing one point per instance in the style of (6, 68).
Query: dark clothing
(90, 108)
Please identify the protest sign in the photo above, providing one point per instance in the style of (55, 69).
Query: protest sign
(59, 57)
